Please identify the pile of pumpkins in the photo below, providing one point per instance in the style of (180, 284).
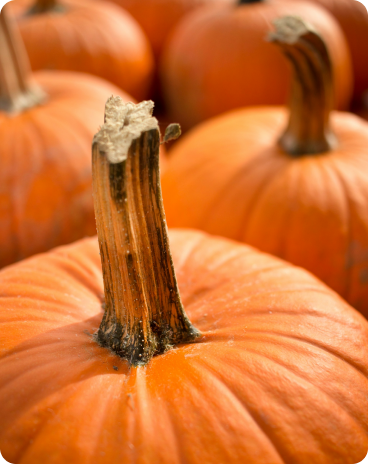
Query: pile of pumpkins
(272, 98)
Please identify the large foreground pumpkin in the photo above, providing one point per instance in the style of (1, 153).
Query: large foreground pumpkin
(218, 59)
(95, 37)
(45, 137)
(274, 369)
(305, 198)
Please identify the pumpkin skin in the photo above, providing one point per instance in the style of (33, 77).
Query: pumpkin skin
(280, 375)
(353, 20)
(45, 180)
(230, 177)
(158, 18)
(198, 85)
(94, 37)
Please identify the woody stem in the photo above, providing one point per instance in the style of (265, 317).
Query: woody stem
(43, 6)
(144, 315)
(308, 130)
(17, 91)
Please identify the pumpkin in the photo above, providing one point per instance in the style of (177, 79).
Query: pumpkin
(93, 37)
(304, 198)
(46, 126)
(158, 18)
(353, 19)
(264, 365)
(218, 60)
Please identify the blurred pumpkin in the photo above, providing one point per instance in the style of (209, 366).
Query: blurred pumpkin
(218, 59)
(278, 375)
(305, 198)
(93, 37)
(353, 18)
(45, 137)
(158, 18)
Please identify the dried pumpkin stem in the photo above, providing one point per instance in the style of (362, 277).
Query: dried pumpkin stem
(45, 6)
(308, 130)
(246, 2)
(17, 91)
(144, 315)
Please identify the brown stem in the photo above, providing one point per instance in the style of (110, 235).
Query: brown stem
(17, 91)
(246, 2)
(144, 315)
(45, 6)
(308, 130)
(42, 6)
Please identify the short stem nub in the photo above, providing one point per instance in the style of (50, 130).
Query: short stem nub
(45, 6)
(247, 2)
(308, 130)
(144, 315)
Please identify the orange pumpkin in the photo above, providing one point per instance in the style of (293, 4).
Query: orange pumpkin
(353, 18)
(219, 59)
(158, 18)
(279, 373)
(94, 37)
(45, 137)
(304, 199)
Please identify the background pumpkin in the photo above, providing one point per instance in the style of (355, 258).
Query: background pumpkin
(218, 59)
(305, 200)
(80, 35)
(158, 18)
(353, 18)
(279, 374)
(45, 138)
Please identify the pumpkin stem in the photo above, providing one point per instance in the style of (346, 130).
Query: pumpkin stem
(245, 2)
(308, 130)
(45, 6)
(144, 315)
(17, 91)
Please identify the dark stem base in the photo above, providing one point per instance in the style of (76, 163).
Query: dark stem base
(133, 347)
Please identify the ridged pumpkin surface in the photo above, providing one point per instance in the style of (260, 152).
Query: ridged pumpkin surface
(45, 157)
(95, 37)
(219, 59)
(229, 177)
(279, 376)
